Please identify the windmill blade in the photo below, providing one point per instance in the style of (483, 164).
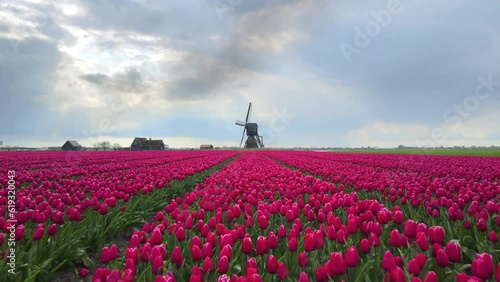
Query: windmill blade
(260, 141)
(248, 112)
(242, 136)
(241, 123)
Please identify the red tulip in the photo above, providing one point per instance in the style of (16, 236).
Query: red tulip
(482, 266)
(374, 240)
(410, 228)
(468, 225)
(207, 265)
(435, 248)
(282, 271)
(337, 263)
(272, 264)
(130, 264)
(114, 276)
(220, 230)
(156, 237)
(481, 225)
(180, 234)
(421, 260)
(388, 262)
(263, 222)
(292, 244)
(226, 239)
(251, 263)
(254, 278)
(103, 209)
(282, 231)
(364, 246)
(19, 232)
(352, 225)
(395, 238)
(341, 236)
(398, 217)
(83, 272)
(101, 274)
(303, 277)
(223, 265)
(227, 251)
(309, 242)
(436, 234)
(188, 223)
(493, 237)
(246, 246)
(397, 275)
(38, 234)
(262, 246)
(196, 253)
(318, 239)
(321, 274)
(273, 241)
(144, 252)
(331, 233)
(207, 250)
(132, 253)
(157, 265)
(422, 242)
(351, 257)
(109, 254)
(51, 230)
(442, 259)
(431, 276)
(414, 267)
(452, 250)
(462, 277)
(177, 257)
(497, 273)
(302, 259)
(134, 241)
(196, 274)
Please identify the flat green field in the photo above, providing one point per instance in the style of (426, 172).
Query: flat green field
(451, 152)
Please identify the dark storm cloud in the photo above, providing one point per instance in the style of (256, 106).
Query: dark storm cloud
(243, 45)
(196, 78)
(257, 43)
(126, 81)
(96, 78)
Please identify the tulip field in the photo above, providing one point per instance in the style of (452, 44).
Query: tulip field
(259, 215)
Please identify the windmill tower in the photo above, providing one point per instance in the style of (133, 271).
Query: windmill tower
(251, 129)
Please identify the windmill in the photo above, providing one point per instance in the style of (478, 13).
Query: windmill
(253, 139)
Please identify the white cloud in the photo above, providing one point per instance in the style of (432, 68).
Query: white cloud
(386, 134)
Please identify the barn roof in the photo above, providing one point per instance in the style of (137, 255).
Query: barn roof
(73, 143)
(151, 142)
(148, 142)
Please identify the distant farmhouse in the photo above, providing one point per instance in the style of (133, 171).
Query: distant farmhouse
(71, 145)
(144, 144)
(206, 147)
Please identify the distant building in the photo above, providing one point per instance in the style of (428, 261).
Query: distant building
(71, 145)
(206, 147)
(144, 144)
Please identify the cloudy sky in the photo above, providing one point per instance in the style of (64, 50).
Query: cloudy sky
(319, 73)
